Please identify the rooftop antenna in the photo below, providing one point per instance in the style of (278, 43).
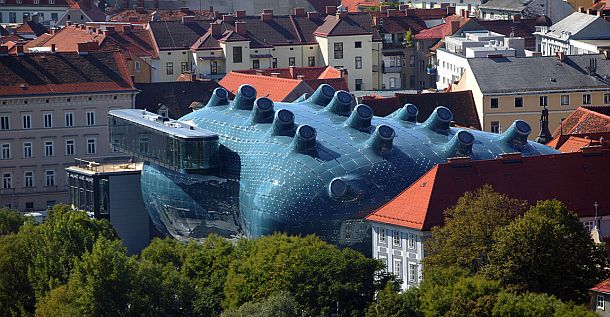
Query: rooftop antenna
(595, 230)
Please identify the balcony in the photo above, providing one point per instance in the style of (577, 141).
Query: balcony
(431, 70)
(391, 69)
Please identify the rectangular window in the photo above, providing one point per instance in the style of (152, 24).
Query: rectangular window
(29, 205)
(338, 50)
(69, 147)
(274, 63)
(90, 117)
(144, 144)
(54, 16)
(494, 103)
(7, 180)
(256, 64)
(27, 149)
(28, 179)
(495, 127)
(358, 62)
(184, 67)
(543, 101)
(358, 44)
(411, 243)
(396, 238)
(237, 56)
(4, 123)
(137, 66)
(48, 120)
(358, 83)
(397, 268)
(69, 119)
(311, 61)
(169, 68)
(6, 151)
(381, 235)
(518, 102)
(90, 146)
(565, 100)
(412, 61)
(384, 260)
(291, 61)
(606, 98)
(600, 302)
(12, 17)
(49, 177)
(586, 99)
(26, 121)
(412, 272)
(48, 148)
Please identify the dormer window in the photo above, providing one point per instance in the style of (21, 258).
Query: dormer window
(19, 1)
(51, 1)
(36, 1)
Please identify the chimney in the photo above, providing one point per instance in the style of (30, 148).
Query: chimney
(110, 29)
(517, 18)
(3, 50)
(606, 54)
(341, 14)
(83, 27)
(240, 13)
(68, 23)
(544, 136)
(455, 26)
(266, 17)
(582, 10)
(274, 74)
(216, 29)
(140, 5)
(330, 10)
(403, 7)
(293, 72)
(299, 12)
(270, 11)
(227, 18)
(450, 10)
(184, 10)
(391, 12)
(20, 49)
(301, 77)
(600, 13)
(126, 28)
(36, 18)
(53, 48)
(240, 27)
(217, 15)
(188, 19)
(590, 11)
(561, 56)
(313, 15)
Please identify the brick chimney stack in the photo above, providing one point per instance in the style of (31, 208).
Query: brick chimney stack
(240, 27)
(299, 12)
(216, 29)
(227, 18)
(20, 51)
(293, 72)
(53, 48)
(330, 10)
(266, 17)
(313, 15)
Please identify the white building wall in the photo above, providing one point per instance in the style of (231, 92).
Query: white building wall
(48, 12)
(450, 68)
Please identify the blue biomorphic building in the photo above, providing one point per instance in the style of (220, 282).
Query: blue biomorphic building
(318, 165)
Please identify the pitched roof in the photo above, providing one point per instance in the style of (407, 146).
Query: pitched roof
(507, 5)
(348, 24)
(67, 38)
(400, 24)
(353, 5)
(176, 96)
(170, 35)
(313, 76)
(441, 30)
(91, 10)
(603, 287)
(525, 28)
(274, 88)
(3, 31)
(575, 142)
(461, 103)
(32, 27)
(514, 75)
(585, 120)
(63, 73)
(581, 26)
(577, 179)
(37, 42)
(320, 5)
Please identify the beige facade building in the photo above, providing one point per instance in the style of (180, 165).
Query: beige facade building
(52, 113)
(212, 48)
(510, 88)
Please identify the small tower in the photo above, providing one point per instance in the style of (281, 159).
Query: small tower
(544, 136)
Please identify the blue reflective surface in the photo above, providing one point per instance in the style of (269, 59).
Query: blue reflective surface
(313, 167)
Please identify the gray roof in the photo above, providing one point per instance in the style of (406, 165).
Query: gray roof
(505, 5)
(166, 126)
(581, 26)
(544, 73)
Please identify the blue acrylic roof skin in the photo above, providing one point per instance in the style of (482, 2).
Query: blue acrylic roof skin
(272, 178)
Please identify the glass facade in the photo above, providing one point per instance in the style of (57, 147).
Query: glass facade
(314, 166)
(89, 193)
(153, 141)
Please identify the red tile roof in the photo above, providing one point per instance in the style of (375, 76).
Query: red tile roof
(577, 179)
(63, 73)
(313, 76)
(461, 103)
(274, 88)
(603, 287)
(587, 119)
(32, 27)
(442, 30)
(574, 142)
(353, 5)
(91, 10)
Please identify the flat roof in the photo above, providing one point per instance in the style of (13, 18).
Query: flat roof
(94, 168)
(165, 125)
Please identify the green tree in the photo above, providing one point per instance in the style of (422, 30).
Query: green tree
(16, 294)
(535, 252)
(535, 305)
(59, 302)
(391, 303)
(165, 251)
(322, 278)
(276, 305)
(10, 221)
(467, 236)
(59, 242)
(408, 37)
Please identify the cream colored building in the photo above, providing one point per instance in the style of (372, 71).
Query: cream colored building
(44, 127)
(508, 88)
